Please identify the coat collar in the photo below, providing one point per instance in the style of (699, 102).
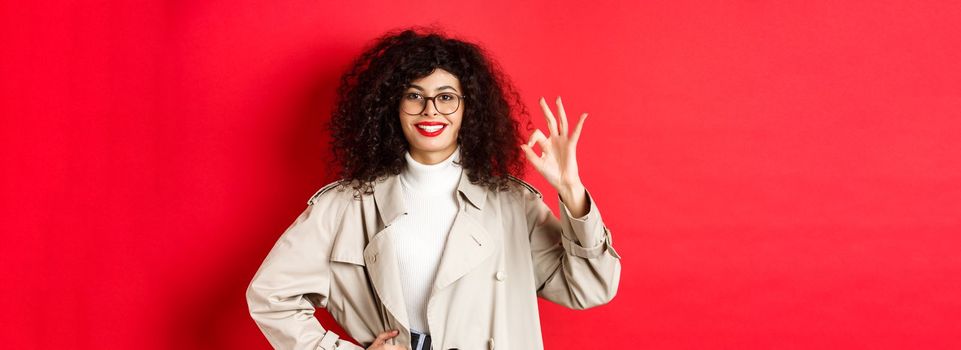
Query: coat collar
(469, 243)
(389, 196)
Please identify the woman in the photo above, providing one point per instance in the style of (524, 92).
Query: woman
(429, 241)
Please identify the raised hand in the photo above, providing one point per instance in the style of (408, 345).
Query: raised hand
(558, 159)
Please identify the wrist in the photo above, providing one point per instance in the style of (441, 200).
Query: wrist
(570, 192)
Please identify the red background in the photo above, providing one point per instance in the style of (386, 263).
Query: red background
(776, 175)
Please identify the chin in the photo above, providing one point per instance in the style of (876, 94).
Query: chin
(432, 146)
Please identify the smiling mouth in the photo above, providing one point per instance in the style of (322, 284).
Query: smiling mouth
(431, 128)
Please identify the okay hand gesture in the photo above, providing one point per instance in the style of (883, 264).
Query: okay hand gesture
(558, 159)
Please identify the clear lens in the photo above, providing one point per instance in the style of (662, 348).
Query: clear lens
(414, 103)
(446, 103)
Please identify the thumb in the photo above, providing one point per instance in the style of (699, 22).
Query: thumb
(382, 337)
(531, 156)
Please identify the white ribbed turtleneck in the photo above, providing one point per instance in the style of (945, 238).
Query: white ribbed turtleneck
(430, 198)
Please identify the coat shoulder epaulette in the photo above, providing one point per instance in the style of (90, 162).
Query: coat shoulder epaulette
(322, 190)
(526, 185)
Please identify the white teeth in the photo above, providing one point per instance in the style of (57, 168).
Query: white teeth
(430, 128)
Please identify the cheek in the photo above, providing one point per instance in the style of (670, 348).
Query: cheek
(405, 123)
(457, 124)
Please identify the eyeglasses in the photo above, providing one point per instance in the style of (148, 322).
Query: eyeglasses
(445, 103)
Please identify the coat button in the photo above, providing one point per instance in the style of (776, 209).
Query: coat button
(373, 258)
(499, 276)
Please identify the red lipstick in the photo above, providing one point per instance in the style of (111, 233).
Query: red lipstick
(430, 129)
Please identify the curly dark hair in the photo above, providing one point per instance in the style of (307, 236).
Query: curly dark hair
(366, 135)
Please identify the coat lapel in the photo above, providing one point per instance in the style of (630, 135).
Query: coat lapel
(379, 254)
(468, 243)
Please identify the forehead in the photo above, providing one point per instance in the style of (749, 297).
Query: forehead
(437, 78)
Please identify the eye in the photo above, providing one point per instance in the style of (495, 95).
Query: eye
(446, 97)
(413, 96)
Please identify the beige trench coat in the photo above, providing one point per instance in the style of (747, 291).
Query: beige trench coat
(504, 250)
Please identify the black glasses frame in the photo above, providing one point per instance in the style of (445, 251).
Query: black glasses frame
(432, 100)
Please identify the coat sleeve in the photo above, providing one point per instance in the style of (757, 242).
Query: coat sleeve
(574, 260)
(293, 279)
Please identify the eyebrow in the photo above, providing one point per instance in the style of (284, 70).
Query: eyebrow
(415, 86)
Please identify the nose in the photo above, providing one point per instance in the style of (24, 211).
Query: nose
(430, 109)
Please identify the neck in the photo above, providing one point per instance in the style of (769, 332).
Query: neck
(440, 177)
(433, 157)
